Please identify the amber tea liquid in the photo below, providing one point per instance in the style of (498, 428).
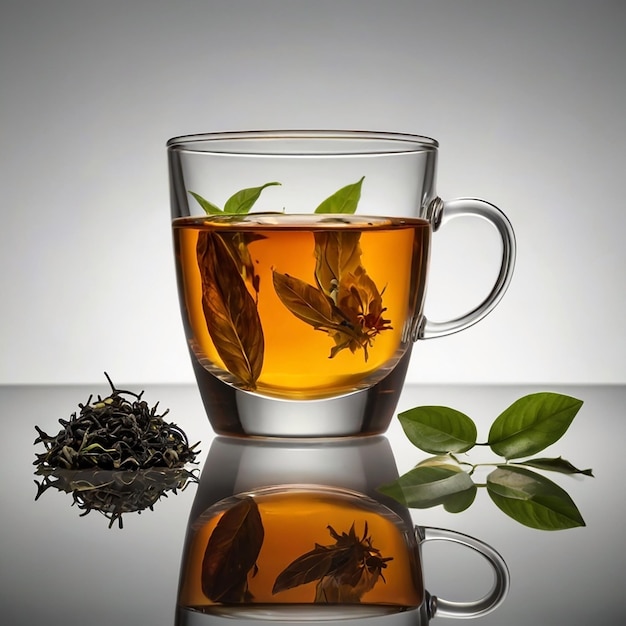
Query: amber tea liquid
(300, 307)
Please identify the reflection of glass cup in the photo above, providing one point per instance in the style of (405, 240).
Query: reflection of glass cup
(302, 260)
(307, 550)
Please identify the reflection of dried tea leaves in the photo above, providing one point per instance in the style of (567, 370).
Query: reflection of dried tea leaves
(230, 311)
(114, 493)
(117, 434)
(232, 552)
(344, 570)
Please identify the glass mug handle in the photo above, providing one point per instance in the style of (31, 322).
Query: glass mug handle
(472, 207)
(486, 604)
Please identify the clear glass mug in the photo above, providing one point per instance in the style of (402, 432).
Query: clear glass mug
(302, 263)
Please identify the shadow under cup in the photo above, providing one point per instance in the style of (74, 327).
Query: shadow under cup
(302, 264)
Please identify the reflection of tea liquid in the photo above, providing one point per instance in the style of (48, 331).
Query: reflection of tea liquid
(294, 523)
(322, 307)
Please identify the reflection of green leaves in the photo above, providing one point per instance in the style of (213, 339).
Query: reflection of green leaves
(532, 423)
(427, 486)
(532, 499)
(343, 201)
(529, 425)
(438, 429)
(557, 465)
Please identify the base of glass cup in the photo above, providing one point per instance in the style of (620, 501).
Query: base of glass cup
(233, 412)
(287, 615)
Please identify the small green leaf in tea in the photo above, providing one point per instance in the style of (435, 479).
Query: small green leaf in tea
(345, 200)
(242, 201)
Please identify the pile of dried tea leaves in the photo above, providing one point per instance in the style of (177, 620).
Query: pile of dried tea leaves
(119, 432)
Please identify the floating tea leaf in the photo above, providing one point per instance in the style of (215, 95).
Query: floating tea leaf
(337, 253)
(230, 311)
(308, 304)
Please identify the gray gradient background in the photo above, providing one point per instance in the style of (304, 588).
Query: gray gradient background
(528, 101)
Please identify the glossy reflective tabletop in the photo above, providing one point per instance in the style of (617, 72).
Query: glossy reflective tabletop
(58, 566)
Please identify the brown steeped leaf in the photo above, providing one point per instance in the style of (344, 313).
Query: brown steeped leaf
(230, 311)
(308, 303)
(337, 253)
(232, 553)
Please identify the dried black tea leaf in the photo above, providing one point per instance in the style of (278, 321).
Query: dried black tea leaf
(232, 552)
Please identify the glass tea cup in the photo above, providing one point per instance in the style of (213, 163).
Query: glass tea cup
(302, 263)
(317, 554)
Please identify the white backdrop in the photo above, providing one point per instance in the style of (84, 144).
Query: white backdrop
(527, 99)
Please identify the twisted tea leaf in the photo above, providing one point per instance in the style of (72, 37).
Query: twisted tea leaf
(532, 499)
(230, 311)
(532, 423)
(438, 429)
(232, 552)
(345, 200)
(428, 486)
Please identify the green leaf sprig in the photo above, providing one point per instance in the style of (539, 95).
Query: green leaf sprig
(344, 201)
(525, 428)
(239, 203)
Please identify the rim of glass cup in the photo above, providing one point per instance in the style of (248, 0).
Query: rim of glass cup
(294, 143)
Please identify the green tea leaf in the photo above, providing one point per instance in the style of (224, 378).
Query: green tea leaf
(209, 207)
(427, 486)
(532, 423)
(343, 201)
(532, 499)
(556, 465)
(437, 429)
(242, 201)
